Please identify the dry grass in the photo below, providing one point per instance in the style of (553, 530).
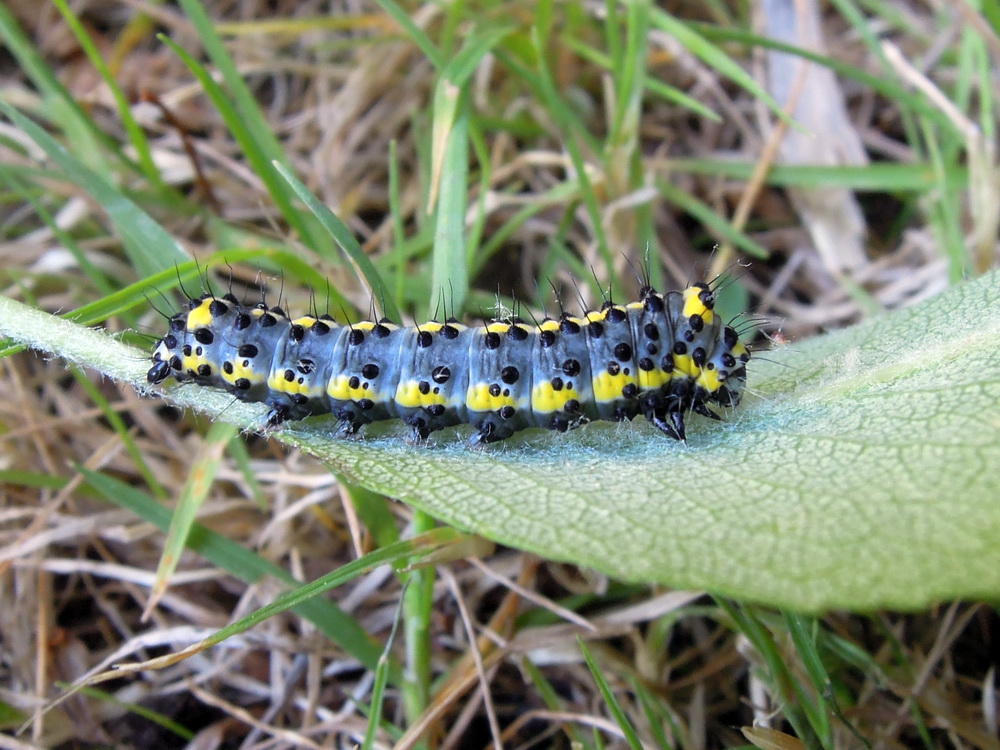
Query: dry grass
(337, 90)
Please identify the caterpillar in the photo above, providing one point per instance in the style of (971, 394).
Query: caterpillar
(662, 356)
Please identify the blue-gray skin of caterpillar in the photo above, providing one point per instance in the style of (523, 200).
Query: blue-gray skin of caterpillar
(662, 356)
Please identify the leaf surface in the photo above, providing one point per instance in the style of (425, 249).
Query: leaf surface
(861, 472)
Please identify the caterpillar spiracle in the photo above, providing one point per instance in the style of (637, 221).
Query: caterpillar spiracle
(662, 356)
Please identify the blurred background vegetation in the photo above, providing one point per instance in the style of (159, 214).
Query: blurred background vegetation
(839, 157)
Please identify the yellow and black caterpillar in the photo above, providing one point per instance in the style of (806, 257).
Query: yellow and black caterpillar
(662, 356)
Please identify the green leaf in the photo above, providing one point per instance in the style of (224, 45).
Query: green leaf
(861, 473)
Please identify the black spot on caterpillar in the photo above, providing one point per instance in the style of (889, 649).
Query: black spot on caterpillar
(662, 356)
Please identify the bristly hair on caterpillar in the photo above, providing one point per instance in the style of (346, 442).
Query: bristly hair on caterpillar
(662, 356)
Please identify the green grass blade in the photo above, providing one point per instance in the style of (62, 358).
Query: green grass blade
(630, 75)
(800, 628)
(31, 62)
(888, 85)
(666, 92)
(450, 267)
(137, 137)
(249, 115)
(347, 242)
(779, 674)
(609, 698)
(720, 226)
(118, 424)
(150, 248)
(338, 626)
(379, 685)
(416, 34)
(196, 489)
(12, 178)
(870, 178)
(450, 169)
(407, 549)
(258, 152)
(714, 57)
(572, 129)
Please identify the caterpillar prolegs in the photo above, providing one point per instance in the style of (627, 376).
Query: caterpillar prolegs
(662, 356)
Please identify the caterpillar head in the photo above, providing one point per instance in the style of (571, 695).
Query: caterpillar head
(166, 361)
